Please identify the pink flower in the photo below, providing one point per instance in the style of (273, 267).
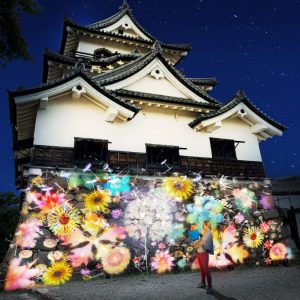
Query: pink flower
(117, 213)
(278, 252)
(267, 202)
(136, 260)
(85, 272)
(268, 244)
(27, 233)
(19, 277)
(162, 261)
(81, 256)
(239, 218)
(161, 246)
(264, 227)
(49, 201)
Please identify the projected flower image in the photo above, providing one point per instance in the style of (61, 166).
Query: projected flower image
(92, 224)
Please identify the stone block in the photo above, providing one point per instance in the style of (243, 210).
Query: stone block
(270, 214)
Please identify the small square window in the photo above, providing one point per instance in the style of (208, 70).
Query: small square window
(90, 150)
(223, 149)
(156, 154)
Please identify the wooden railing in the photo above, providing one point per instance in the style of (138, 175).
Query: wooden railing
(134, 162)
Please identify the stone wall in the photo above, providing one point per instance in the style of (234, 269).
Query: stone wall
(84, 224)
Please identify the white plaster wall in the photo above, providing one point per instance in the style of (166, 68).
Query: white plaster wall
(66, 118)
(161, 86)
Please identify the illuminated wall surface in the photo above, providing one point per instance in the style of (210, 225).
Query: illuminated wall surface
(86, 224)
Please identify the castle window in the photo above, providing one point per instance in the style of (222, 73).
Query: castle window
(158, 154)
(102, 53)
(223, 149)
(120, 31)
(90, 150)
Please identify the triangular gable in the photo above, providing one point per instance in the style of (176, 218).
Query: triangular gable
(128, 27)
(125, 21)
(239, 107)
(158, 77)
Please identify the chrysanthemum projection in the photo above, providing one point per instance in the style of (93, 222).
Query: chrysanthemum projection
(97, 201)
(58, 273)
(253, 237)
(63, 220)
(244, 199)
(116, 260)
(180, 188)
(148, 217)
(162, 261)
(19, 277)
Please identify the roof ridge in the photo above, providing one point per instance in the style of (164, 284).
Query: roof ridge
(158, 97)
(124, 68)
(186, 46)
(239, 97)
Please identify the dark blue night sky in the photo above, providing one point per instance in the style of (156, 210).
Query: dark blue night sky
(253, 45)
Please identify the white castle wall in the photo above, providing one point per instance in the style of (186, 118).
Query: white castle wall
(66, 118)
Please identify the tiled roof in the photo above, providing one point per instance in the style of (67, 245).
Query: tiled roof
(286, 186)
(69, 22)
(53, 56)
(137, 65)
(163, 98)
(69, 77)
(105, 60)
(211, 81)
(240, 97)
(124, 9)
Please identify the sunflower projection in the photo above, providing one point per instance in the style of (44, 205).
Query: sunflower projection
(88, 224)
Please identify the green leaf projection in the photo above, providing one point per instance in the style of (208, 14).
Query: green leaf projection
(84, 224)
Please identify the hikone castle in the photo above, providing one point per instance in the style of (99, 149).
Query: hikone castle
(117, 153)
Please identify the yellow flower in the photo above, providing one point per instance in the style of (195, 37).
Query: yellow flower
(93, 223)
(37, 180)
(106, 211)
(178, 253)
(97, 201)
(178, 187)
(64, 220)
(40, 216)
(237, 253)
(214, 184)
(116, 260)
(189, 249)
(253, 237)
(58, 273)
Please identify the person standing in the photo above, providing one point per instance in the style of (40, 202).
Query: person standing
(204, 247)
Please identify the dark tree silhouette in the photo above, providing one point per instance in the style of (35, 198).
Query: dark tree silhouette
(9, 218)
(12, 44)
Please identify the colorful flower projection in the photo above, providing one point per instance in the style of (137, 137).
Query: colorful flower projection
(85, 224)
